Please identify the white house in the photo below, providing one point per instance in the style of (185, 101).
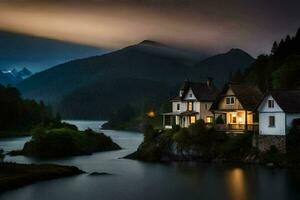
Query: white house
(277, 111)
(192, 103)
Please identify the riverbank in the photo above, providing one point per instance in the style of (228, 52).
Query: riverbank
(14, 175)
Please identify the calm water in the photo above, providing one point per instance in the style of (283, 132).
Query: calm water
(134, 180)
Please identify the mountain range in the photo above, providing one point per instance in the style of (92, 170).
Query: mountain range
(14, 76)
(143, 75)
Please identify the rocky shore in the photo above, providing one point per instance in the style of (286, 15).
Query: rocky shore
(14, 175)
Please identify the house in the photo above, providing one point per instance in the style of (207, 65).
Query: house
(193, 103)
(234, 108)
(277, 111)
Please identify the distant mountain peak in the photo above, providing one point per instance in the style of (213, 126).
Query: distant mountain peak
(26, 71)
(237, 50)
(13, 76)
(152, 43)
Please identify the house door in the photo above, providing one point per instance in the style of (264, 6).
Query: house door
(232, 118)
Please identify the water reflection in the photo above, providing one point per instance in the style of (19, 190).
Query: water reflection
(236, 184)
(133, 180)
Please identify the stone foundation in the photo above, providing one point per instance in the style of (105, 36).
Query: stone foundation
(264, 142)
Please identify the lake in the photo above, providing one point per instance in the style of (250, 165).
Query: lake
(135, 180)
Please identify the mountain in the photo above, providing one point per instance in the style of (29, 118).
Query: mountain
(143, 75)
(222, 66)
(13, 76)
(39, 53)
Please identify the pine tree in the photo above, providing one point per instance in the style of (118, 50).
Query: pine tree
(274, 48)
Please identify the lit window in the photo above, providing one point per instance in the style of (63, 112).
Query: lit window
(271, 121)
(234, 119)
(151, 114)
(193, 119)
(209, 119)
(271, 103)
(190, 106)
(178, 106)
(229, 100)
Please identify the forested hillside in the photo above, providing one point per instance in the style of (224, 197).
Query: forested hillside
(19, 114)
(279, 69)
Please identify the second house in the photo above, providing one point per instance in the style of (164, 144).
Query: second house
(192, 103)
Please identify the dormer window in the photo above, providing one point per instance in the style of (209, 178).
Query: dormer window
(229, 100)
(270, 103)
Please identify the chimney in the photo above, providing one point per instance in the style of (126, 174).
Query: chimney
(209, 82)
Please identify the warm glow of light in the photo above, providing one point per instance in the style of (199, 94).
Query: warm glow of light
(236, 184)
(107, 25)
(193, 119)
(240, 120)
(209, 119)
(151, 114)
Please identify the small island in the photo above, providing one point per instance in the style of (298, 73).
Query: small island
(64, 142)
(14, 175)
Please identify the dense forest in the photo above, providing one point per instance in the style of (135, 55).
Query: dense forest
(279, 69)
(19, 114)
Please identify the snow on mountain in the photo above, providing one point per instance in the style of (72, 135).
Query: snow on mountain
(13, 76)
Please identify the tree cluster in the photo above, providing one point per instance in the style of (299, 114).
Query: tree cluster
(279, 69)
(19, 114)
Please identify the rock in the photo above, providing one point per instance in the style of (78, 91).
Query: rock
(18, 175)
(99, 174)
(270, 164)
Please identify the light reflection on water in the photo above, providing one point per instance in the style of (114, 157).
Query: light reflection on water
(132, 180)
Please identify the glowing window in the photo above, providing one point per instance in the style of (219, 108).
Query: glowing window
(209, 120)
(190, 106)
(193, 119)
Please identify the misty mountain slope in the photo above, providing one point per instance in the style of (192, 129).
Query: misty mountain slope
(136, 75)
(133, 61)
(221, 66)
(102, 98)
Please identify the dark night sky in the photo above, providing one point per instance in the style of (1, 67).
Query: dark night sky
(209, 26)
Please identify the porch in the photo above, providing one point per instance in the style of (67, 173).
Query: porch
(236, 128)
(235, 121)
(183, 119)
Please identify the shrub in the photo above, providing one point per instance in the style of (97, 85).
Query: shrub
(182, 138)
(220, 120)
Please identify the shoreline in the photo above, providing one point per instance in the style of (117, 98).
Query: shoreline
(13, 175)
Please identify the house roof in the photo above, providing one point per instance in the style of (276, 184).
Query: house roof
(248, 95)
(288, 100)
(202, 91)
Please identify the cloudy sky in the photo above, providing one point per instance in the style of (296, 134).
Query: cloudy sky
(210, 26)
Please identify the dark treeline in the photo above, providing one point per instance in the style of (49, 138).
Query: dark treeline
(19, 114)
(279, 69)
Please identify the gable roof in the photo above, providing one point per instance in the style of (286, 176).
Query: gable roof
(288, 100)
(202, 91)
(248, 95)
